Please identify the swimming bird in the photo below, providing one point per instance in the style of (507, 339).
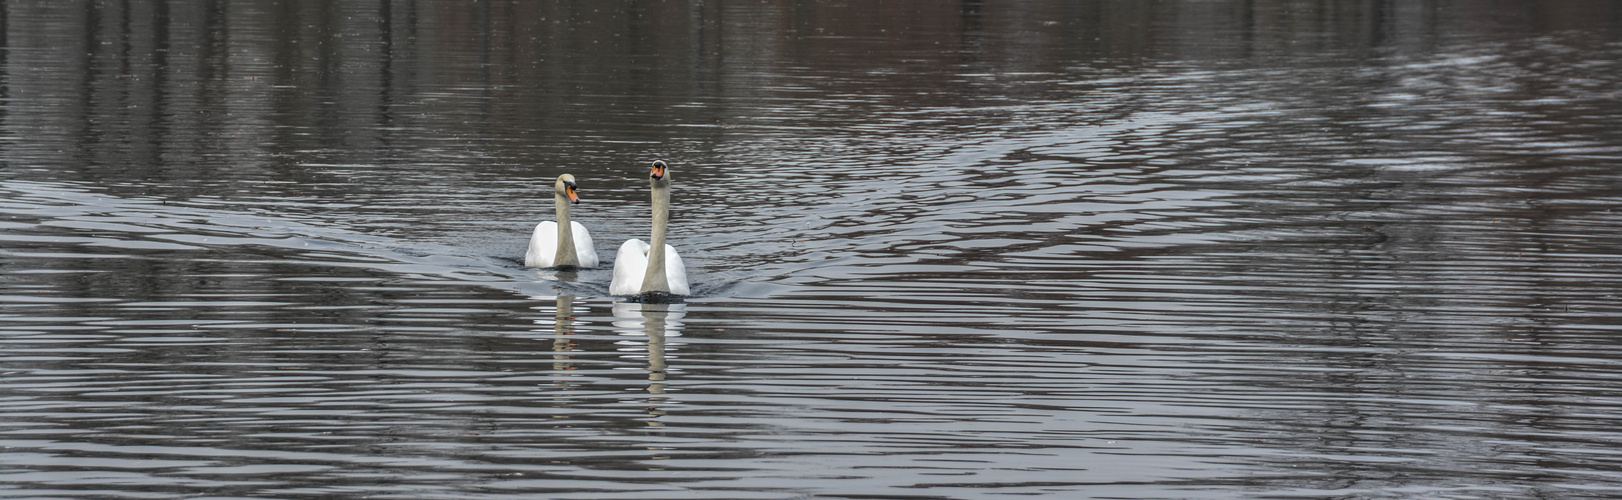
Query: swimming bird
(552, 245)
(651, 269)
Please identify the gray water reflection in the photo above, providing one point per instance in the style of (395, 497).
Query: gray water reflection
(939, 249)
(657, 322)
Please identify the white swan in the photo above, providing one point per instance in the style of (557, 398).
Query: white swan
(641, 268)
(576, 248)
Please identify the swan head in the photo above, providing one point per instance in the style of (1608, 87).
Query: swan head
(565, 187)
(660, 170)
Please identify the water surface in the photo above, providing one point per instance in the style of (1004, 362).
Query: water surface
(939, 250)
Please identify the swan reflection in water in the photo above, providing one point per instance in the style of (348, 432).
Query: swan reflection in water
(562, 329)
(655, 322)
(556, 274)
(563, 319)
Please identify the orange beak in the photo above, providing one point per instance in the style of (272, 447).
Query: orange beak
(574, 194)
(658, 170)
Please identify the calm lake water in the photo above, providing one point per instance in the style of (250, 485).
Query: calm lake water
(941, 250)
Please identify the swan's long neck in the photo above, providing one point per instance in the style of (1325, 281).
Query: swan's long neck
(656, 279)
(566, 254)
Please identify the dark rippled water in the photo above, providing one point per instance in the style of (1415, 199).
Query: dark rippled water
(939, 250)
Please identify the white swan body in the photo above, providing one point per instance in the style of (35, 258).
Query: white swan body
(651, 268)
(553, 246)
(543, 246)
(631, 265)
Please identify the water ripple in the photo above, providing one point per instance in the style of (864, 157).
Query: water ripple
(982, 261)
